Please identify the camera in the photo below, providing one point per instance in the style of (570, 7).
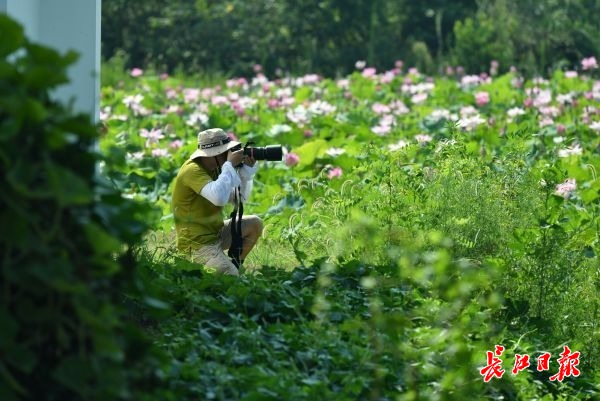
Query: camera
(269, 153)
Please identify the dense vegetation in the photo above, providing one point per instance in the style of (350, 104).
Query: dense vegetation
(329, 36)
(66, 245)
(416, 222)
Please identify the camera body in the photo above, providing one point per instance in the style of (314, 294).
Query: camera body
(269, 153)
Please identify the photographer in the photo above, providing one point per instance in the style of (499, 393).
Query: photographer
(214, 175)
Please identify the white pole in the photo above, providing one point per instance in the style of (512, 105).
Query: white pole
(67, 25)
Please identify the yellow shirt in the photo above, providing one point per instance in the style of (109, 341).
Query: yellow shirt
(197, 220)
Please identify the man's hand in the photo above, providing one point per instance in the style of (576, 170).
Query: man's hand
(236, 158)
(249, 161)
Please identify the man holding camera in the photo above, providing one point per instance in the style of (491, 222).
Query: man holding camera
(218, 172)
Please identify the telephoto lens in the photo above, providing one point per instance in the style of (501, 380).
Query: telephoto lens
(270, 152)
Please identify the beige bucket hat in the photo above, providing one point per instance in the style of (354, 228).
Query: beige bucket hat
(213, 142)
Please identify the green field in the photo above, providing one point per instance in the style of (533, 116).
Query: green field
(415, 223)
(426, 237)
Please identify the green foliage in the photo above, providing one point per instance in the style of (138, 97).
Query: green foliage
(65, 244)
(536, 36)
(353, 331)
(327, 37)
(415, 262)
(420, 247)
(490, 36)
(423, 59)
(388, 214)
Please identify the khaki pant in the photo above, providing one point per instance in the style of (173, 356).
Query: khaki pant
(213, 255)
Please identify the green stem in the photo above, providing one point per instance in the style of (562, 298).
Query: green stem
(541, 262)
(438, 34)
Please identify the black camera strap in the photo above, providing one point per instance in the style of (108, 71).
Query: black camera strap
(235, 250)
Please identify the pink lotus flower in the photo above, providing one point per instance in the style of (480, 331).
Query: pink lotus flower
(291, 159)
(287, 101)
(399, 107)
(206, 93)
(369, 72)
(566, 188)
(482, 98)
(219, 100)
(232, 136)
(176, 144)
(239, 110)
(419, 98)
(401, 144)
(160, 152)
(239, 82)
(105, 113)
(257, 68)
(423, 139)
(135, 155)
(133, 100)
(380, 108)
(310, 79)
(173, 108)
(589, 63)
(517, 82)
(164, 76)
(574, 150)
(171, 93)
(136, 72)
(385, 125)
(388, 77)
(191, 94)
(197, 118)
(343, 83)
(399, 64)
(334, 173)
(546, 121)
(470, 123)
(152, 136)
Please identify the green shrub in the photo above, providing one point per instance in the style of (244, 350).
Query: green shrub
(482, 39)
(312, 36)
(66, 244)
(423, 59)
(535, 36)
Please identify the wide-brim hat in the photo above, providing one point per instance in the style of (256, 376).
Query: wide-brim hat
(213, 142)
